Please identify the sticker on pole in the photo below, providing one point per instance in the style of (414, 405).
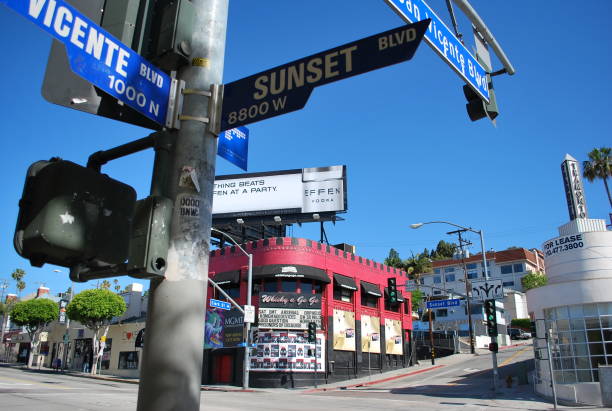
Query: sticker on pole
(100, 58)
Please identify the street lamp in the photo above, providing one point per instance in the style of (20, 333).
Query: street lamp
(486, 273)
(247, 325)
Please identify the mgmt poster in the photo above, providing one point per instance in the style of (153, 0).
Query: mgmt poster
(223, 328)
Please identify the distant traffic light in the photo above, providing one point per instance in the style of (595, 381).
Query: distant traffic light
(312, 332)
(476, 107)
(392, 286)
(491, 317)
(69, 215)
(493, 347)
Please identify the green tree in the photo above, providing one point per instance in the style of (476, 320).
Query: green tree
(534, 279)
(444, 250)
(394, 260)
(95, 309)
(34, 315)
(417, 265)
(417, 299)
(18, 275)
(116, 285)
(599, 166)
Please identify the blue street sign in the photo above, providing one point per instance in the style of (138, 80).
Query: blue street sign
(224, 305)
(443, 303)
(287, 88)
(234, 146)
(444, 42)
(100, 58)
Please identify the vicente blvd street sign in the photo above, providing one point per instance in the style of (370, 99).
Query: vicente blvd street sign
(287, 88)
(100, 58)
(444, 303)
(444, 42)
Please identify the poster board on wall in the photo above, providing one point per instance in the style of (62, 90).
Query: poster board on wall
(393, 337)
(344, 330)
(287, 351)
(370, 334)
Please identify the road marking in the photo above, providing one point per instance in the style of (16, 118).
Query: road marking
(27, 382)
(507, 360)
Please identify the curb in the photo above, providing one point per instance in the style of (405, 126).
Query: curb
(368, 383)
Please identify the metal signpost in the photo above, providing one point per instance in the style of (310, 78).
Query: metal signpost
(100, 58)
(287, 88)
(445, 44)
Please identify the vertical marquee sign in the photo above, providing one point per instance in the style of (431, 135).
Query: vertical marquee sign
(574, 191)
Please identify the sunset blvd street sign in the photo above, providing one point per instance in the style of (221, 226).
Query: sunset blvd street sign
(100, 58)
(444, 42)
(287, 88)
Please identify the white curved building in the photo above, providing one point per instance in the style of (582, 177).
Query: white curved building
(575, 310)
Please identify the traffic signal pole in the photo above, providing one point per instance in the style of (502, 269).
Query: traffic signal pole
(171, 369)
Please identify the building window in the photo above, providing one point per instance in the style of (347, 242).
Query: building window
(368, 300)
(472, 275)
(289, 286)
(270, 285)
(449, 270)
(128, 360)
(342, 293)
(518, 268)
(233, 290)
(583, 334)
(392, 307)
(471, 266)
(506, 269)
(508, 284)
(437, 292)
(450, 278)
(443, 312)
(437, 271)
(305, 286)
(105, 361)
(437, 280)
(317, 287)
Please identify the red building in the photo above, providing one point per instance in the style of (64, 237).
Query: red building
(296, 281)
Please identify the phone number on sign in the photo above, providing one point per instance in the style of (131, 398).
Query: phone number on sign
(561, 244)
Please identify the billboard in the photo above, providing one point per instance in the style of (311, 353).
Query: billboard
(300, 191)
(344, 330)
(223, 328)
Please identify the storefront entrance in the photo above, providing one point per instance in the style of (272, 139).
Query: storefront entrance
(223, 366)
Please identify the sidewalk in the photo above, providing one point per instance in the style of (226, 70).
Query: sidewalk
(375, 378)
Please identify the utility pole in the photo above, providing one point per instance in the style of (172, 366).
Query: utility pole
(172, 357)
(467, 288)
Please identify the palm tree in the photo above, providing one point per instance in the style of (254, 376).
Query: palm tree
(599, 166)
(417, 265)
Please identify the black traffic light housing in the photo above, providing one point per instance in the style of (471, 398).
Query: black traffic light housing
(491, 317)
(392, 287)
(312, 332)
(493, 347)
(476, 107)
(69, 215)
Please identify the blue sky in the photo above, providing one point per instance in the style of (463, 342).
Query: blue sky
(411, 152)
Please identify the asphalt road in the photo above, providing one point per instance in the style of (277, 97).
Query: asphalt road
(457, 381)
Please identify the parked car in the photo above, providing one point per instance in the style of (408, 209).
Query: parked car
(518, 334)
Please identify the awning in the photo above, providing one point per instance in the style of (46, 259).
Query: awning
(400, 297)
(227, 277)
(345, 282)
(291, 271)
(371, 289)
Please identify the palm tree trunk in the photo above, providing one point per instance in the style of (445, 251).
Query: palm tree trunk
(605, 180)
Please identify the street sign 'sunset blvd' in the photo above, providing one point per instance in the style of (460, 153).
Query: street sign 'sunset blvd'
(287, 88)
